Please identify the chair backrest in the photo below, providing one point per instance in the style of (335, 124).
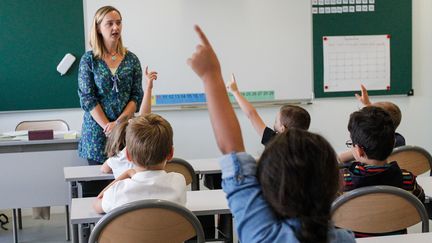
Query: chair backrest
(56, 125)
(183, 167)
(378, 209)
(147, 221)
(412, 158)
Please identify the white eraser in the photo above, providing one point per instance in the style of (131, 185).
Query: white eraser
(65, 63)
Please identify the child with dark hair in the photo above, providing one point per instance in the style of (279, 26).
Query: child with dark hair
(391, 108)
(394, 113)
(289, 116)
(372, 133)
(287, 195)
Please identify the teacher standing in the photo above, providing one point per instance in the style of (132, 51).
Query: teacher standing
(109, 84)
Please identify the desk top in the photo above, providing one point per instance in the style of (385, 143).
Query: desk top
(205, 166)
(18, 146)
(418, 238)
(85, 173)
(206, 202)
(93, 173)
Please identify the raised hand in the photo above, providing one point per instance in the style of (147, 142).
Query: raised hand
(232, 85)
(364, 97)
(204, 61)
(150, 77)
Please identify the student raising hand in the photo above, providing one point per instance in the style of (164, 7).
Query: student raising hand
(232, 85)
(150, 77)
(226, 128)
(204, 61)
(146, 103)
(364, 97)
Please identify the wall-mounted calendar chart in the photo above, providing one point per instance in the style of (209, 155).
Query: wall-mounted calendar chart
(350, 59)
(362, 42)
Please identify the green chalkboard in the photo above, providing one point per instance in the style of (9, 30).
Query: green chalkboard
(34, 37)
(389, 17)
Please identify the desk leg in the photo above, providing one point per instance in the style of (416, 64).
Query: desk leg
(75, 234)
(197, 183)
(225, 227)
(68, 232)
(73, 228)
(19, 219)
(84, 233)
(14, 226)
(79, 189)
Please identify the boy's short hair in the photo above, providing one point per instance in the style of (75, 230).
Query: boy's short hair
(372, 128)
(292, 116)
(149, 139)
(392, 109)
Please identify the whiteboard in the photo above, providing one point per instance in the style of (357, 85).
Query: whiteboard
(266, 43)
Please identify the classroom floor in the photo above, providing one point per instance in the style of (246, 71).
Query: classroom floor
(47, 231)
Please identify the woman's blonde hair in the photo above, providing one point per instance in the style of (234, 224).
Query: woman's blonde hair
(96, 39)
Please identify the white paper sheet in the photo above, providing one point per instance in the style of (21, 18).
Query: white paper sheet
(353, 60)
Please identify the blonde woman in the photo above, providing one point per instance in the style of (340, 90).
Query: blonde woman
(109, 84)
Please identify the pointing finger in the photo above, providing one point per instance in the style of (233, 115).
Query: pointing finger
(233, 79)
(202, 36)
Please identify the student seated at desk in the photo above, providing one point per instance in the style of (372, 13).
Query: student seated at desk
(289, 116)
(286, 196)
(394, 113)
(149, 145)
(372, 139)
(117, 163)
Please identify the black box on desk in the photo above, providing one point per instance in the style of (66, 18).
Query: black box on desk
(41, 134)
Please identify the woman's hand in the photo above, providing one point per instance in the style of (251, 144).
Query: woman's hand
(109, 127)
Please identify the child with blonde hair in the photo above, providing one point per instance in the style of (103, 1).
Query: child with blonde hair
(149, 145)
(117, 162)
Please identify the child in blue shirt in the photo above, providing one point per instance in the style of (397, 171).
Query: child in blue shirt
(287, 196)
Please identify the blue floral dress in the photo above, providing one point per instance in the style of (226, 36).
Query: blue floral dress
(97, 85)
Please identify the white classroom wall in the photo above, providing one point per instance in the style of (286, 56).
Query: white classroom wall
(193, 137)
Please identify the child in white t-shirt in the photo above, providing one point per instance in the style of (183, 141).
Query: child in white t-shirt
(117, 162)
(149, 145)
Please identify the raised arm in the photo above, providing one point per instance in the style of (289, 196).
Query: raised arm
(225, 125)
(146, 103)
(246, 107)
(364, 97)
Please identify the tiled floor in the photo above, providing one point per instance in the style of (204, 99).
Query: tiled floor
(46, 231)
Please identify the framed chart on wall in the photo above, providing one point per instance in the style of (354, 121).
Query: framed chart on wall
(362, 42)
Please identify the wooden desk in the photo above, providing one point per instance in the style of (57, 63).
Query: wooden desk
(32, 172)
(75, 175)
(417, 238)
(208, 202)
